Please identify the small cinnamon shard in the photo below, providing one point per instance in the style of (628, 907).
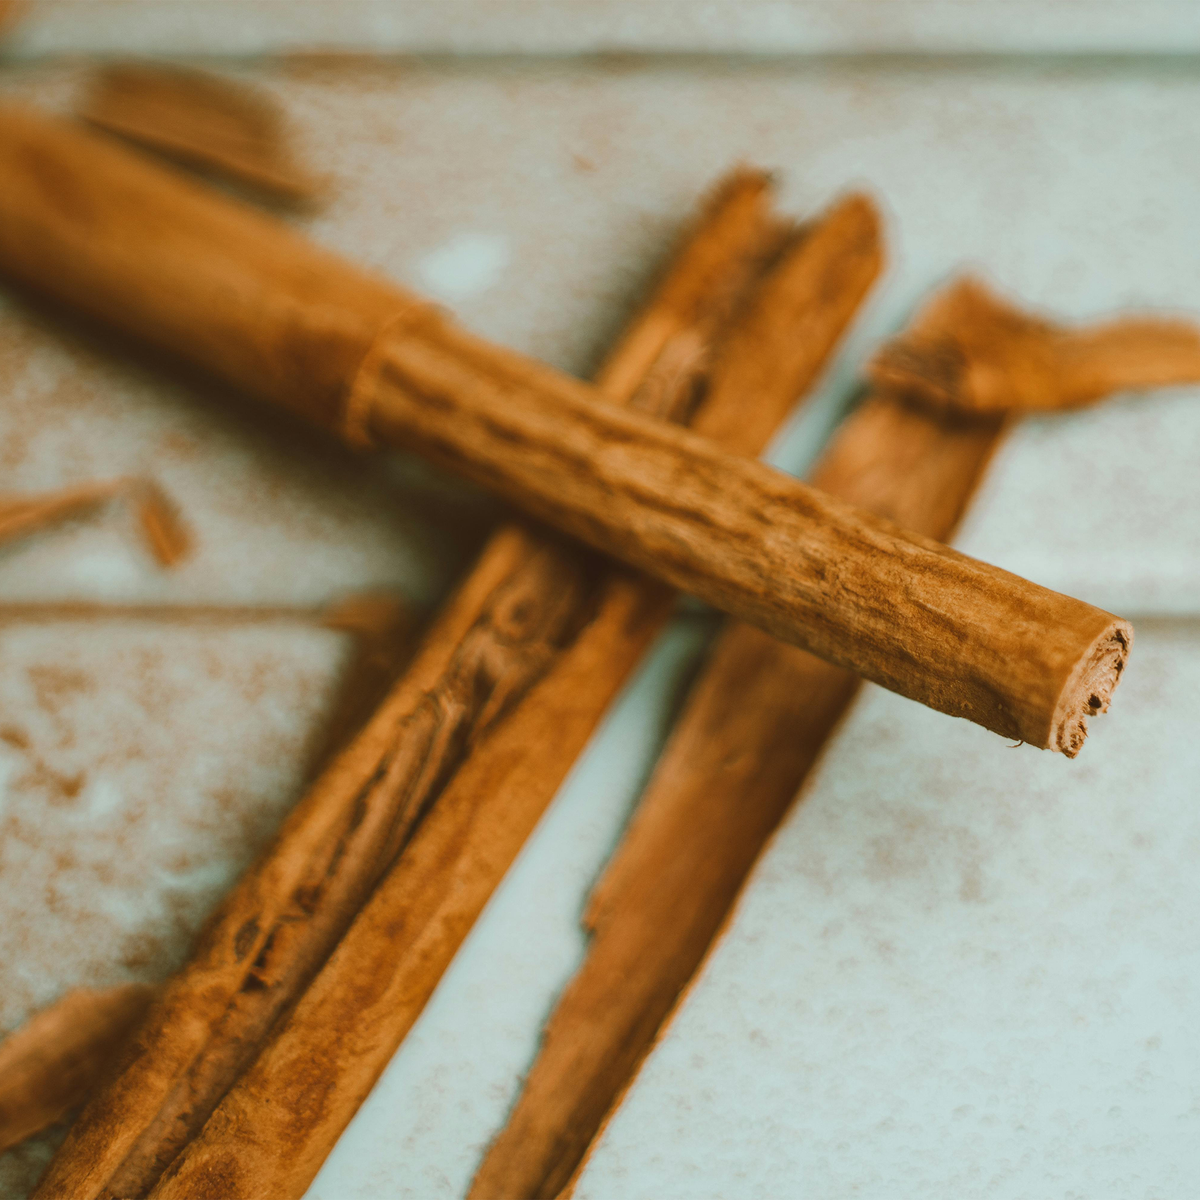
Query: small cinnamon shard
(969, 351)
(166, 534)
(161, 523)
(25, 514)
(202, 120)
(57, 1058)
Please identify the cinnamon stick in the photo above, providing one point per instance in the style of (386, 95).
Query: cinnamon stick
(196, 274)
(973, 352)
(57, 1057)
(202, 120)
(529, 612)
(471, 835)
(753, 725)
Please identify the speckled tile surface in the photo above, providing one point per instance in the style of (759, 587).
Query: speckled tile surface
(941, 910)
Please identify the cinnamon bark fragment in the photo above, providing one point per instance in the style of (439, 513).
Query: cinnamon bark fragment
(972, 352)
(162, 525)
(460, 852)
(57, 1058)
(235, 292)
(525, 623)
(202, 120)
(751, 729)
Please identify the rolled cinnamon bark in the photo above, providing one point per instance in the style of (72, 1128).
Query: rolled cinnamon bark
(90, 224)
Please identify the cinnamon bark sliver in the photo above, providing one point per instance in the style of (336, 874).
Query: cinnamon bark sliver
(203, 120)
(229, 289)
(161, 523)
(969, 351)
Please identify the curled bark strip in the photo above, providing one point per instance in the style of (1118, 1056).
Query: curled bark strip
(971, 352)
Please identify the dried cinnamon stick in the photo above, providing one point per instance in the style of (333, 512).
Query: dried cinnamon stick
(754, 724)
(512, 624)
(194, 273)
(972, 352)
(752, 727)
(57, 1057)
(466, 843)
(202, 120)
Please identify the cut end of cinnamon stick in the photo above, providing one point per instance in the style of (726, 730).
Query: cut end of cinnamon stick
(203, 121)
(1090, 688)
(971, 352)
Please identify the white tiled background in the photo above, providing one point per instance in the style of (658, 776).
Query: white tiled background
(962, 969)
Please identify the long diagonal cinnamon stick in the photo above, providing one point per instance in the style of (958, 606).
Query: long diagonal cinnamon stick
(752, 727)
(529, 612)
(91, 225)
(381, 977)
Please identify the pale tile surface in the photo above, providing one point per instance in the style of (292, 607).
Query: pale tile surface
(768, 27)
(961, 970)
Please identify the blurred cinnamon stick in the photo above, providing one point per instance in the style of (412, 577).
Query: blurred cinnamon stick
(202, 120)
(527, 620)
(460, 852)
(92, 226)
(753, 725)
(56, 1058)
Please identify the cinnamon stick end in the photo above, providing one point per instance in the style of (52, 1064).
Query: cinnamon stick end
(1090, 687)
